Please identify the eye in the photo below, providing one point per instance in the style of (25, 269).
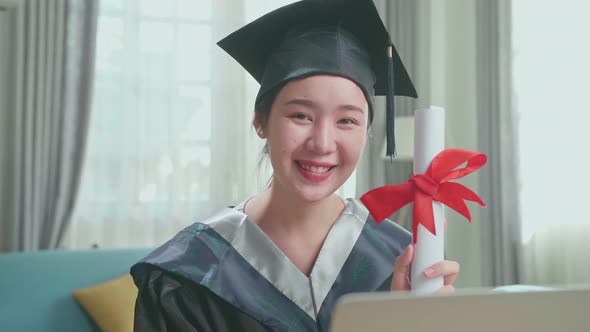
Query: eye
(347, 121)
(300, 116)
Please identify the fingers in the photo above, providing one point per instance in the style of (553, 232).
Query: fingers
(449, 270)
(401, 270)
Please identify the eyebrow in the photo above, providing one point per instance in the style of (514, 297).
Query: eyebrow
(312, 105)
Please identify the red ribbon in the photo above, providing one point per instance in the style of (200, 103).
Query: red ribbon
(422, 189)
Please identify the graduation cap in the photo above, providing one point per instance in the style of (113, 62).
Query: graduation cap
(339, 37)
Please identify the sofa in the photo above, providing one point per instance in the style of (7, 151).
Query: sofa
(36, 287)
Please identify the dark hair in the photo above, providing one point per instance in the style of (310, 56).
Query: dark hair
(262, 110)
(264, 105)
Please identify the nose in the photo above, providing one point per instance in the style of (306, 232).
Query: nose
(322, 138)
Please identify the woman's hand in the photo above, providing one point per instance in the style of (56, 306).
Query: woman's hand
(449, 270)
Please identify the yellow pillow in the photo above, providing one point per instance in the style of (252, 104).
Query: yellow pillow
(110, 304)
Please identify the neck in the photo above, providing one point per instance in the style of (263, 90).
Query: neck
(275, 209)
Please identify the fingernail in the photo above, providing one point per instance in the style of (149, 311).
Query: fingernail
(429, 272)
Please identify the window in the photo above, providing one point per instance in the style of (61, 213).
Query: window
(158, 156)
(551, 81)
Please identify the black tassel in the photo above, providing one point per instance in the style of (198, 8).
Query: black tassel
(390, 106)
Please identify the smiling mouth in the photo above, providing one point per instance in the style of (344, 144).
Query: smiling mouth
(315, 169)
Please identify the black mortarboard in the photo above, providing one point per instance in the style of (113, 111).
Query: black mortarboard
(339, 37)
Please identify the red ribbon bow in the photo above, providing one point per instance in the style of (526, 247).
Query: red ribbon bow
(422, 189)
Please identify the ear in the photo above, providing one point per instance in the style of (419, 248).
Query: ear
(258, 126)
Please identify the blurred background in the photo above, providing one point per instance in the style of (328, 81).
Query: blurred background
(121, 122)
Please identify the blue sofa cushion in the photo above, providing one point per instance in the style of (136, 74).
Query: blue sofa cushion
(37, 287)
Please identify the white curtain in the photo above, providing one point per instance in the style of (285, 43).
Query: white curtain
(551, 80)
(498, 187)
(170, 137)
(46, 63)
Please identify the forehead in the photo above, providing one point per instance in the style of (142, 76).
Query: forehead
(324, 88)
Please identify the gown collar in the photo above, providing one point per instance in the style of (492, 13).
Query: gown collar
(267, 258)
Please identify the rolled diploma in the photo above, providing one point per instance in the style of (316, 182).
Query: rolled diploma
(429, 135)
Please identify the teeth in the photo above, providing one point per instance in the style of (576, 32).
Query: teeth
(315, 169)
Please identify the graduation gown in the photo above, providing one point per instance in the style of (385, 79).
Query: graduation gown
(224, 274)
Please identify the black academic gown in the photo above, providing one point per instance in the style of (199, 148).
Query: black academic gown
(225, 274)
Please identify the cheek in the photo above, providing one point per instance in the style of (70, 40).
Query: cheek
(354, 145)
(283, 138)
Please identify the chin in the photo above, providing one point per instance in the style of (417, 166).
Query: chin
(314, 195)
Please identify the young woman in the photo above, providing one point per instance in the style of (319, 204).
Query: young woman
(280, 260)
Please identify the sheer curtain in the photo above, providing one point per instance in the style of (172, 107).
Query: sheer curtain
(496, 135)
(551, 80)
(148, 156)
(170, 136)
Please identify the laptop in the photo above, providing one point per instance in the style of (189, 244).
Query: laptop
(565, 310)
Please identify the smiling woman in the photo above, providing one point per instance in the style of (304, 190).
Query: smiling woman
(314, 139)
(297, 246)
